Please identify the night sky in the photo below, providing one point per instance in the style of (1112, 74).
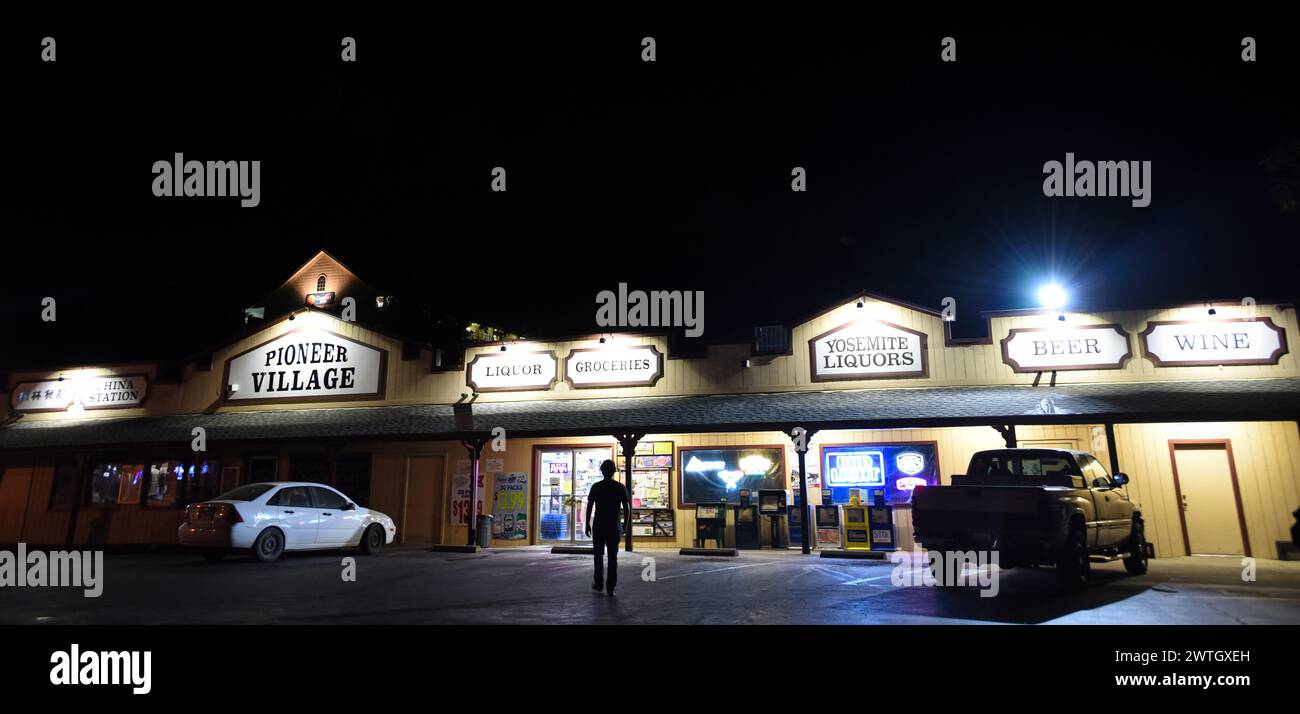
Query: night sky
(924, 178)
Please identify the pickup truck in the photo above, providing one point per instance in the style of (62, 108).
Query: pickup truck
(1035, 507)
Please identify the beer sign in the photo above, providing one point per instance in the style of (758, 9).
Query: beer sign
(1065, 348)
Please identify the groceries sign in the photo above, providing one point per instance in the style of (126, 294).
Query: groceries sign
(511, 371)
(868, 349)
(99, 392)
(618, 366)
(1229, 341)
(306, 365)
(1059, 349)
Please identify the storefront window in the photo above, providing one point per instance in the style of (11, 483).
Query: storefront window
(132, 481)
(895, 470)
(105, 484)
(63, 492)
(311, 468)
(203, 481)
(165, 481)
(262, 468)
(353, 477)
(710, 475)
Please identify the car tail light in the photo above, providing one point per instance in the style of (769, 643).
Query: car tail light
(230, 514)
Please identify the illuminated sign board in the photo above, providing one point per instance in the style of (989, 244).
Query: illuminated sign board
(1211, 342)
(1060, 349)
(321, 300)
(306, 365)
(868, 349)
(97, 392)
(895, 469)
(512, 371)
(614, 366)
(710, 475)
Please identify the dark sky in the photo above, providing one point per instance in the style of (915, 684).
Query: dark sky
(924, 178)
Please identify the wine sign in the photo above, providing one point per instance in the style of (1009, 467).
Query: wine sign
(1211, 342)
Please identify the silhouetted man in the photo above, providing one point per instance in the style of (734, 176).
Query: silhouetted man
(609, 498)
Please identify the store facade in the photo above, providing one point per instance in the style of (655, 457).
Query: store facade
(1199, 409)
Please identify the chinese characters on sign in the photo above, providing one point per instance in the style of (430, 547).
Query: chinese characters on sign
(106, 392)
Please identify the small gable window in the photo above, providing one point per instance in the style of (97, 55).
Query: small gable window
(320, 283)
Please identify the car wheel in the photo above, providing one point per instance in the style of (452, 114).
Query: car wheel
(1072, 564)
(213, 556)
(1136, 562)
(372, 541)
(269, 545)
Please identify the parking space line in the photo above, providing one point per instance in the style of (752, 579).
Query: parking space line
(719, 570)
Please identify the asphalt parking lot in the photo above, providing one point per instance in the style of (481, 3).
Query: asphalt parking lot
(533, 586)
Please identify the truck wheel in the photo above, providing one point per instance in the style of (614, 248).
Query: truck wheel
(1136, 562)
(1072, 564)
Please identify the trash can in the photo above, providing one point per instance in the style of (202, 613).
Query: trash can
(483, 531)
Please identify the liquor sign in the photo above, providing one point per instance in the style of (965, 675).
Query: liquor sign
(1211, 342)
(1060, 349)
(616, 366)
(98, 392)
(868, 349)
(511, 371)
(306, 365)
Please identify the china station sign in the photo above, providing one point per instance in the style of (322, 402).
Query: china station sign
(306, 365)
(614, 366)
(1212, 342)
(868, 349)
(1065, 348)
(512, 371)
(98, 392)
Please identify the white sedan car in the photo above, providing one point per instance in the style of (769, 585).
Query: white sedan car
(270, 518)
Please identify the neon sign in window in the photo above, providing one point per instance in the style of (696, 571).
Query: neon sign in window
(856, 468)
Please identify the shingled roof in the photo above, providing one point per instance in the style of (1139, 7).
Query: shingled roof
(1239, 400)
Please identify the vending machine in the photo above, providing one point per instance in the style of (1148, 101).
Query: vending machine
(857, 530)
(747, 527)
(794, 522)
(828, 526)
(710, 524)
(881, 519)
(773, 503)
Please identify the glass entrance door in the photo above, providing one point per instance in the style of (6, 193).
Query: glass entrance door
(564, 476)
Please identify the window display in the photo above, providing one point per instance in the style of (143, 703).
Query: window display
(564, 476)
(165, 480)
(203, 481)
(132, 480)
(105, 484)
(896, 469)
(710, 475)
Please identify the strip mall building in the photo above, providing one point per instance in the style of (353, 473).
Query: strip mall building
(1199, 409)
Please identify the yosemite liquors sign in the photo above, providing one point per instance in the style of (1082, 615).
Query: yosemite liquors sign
(306, 366)
(99, 392)
(1229, 341)
(512, 371)
(1060, 349)
(868, 349)
(617, 366)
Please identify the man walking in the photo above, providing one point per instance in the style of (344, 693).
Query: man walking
(609, 498)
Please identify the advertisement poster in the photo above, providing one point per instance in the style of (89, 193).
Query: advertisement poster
(510, 506)
(897, 469)
(460, 481)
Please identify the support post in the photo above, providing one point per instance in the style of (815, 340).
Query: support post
(801, 437)
(1008, 433)
(627, 444)
(1112, 448)
(475, 448)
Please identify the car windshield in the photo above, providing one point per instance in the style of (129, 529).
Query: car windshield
(1022, 463)
(244, 493)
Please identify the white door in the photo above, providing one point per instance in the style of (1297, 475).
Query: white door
(298, 517)
(1208, 501)
(338, 527)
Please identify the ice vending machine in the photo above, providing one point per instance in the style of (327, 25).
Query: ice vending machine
(794, 521)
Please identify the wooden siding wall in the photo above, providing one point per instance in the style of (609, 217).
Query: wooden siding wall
(1267, 458)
